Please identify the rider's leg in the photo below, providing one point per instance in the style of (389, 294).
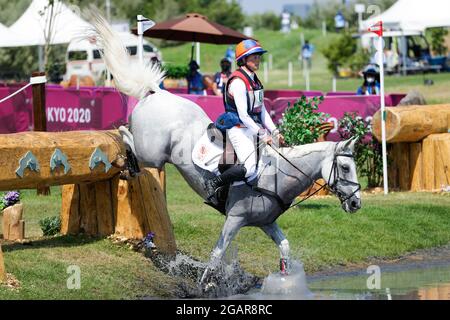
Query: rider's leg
(244, 146)
(234, 173)
(275, 233)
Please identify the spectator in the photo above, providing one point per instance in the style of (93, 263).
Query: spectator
(306, 54)
(371, 84)
(195, 79)
(221, 78)
(230, 54)
(339, 21)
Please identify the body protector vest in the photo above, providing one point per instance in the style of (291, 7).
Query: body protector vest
(255, 95)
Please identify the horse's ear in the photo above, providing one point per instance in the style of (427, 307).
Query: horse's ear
(348, 145)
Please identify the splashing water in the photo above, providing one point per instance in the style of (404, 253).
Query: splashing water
(277, 286)
(227, 279)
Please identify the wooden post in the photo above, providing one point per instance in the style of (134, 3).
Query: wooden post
(2, 267)
(13, 225)
(39, 115)
(141, 208)
(130, 209)
(404, 167)
(415, 163)
(393, 155)
(441, 162)
(162, 180)
(428, 162)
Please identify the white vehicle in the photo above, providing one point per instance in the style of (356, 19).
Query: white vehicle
(83, 56)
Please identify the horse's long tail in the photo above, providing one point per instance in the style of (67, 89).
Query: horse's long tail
(130, 75)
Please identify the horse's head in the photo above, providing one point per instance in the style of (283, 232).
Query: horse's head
(340, 173)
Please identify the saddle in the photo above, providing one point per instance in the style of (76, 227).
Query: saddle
(228, 159)
(229, 156)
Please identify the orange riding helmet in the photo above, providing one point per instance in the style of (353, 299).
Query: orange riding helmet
(248, 47)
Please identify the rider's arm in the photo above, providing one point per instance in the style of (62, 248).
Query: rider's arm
(267, 120)
(239, 93)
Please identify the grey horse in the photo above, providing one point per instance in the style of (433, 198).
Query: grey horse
(164, 128)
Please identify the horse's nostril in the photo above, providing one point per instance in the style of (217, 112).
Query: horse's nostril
(354, 204)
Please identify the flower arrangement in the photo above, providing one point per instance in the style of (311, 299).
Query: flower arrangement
(368, 154)
(9, 199)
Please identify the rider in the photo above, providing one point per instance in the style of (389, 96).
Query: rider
(244, 98)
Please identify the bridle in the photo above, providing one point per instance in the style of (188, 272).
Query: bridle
(337, 180)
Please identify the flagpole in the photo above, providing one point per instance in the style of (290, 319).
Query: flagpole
(143, 24)
(140, 32)
(383, 111)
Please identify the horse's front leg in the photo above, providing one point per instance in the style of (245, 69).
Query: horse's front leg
(275, 233)
(229, 231)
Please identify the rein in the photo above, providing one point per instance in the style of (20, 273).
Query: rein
(333, 187)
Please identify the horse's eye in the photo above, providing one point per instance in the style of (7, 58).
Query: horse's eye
(346, 168)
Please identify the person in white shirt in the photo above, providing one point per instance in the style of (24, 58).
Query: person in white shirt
(244, 99)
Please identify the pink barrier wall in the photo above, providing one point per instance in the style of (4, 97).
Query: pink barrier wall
(336, 106)
(72, 109)
(106, 108)
(16, 114)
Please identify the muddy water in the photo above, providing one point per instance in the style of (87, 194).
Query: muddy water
(412, 282)
(420, 281)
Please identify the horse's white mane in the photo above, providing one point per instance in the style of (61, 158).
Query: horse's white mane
(130, 75)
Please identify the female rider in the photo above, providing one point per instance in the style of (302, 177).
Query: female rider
(244, 97)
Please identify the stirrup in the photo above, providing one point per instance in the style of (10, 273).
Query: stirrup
(213, 200)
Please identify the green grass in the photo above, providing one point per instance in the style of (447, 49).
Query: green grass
(321, 234)
(285, 48)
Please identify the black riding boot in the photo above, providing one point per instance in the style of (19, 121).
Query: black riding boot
(235, 173)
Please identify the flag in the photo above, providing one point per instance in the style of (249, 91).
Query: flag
(377, 28)
(144, 24)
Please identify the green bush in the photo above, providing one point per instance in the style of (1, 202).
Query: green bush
(50, 226)
(176, 71)
(368, 156)
(301, 123)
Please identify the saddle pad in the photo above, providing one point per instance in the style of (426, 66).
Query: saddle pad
(207, 154)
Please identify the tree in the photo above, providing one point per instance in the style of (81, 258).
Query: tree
(267, 20)
(228, 13)
(339, 52)
(438, 41)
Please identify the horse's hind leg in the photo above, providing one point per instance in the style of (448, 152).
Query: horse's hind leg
(132, 164)
(275, 233)
(229, 231)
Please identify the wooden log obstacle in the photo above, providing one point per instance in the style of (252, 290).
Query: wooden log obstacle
(419, 150)
(94, 200)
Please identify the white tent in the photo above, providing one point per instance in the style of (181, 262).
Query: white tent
(34, 22)
(414, 15)
(9, 39)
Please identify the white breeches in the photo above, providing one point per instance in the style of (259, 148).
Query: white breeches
(244, 143)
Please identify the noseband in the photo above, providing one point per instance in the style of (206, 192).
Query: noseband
(337, 180)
